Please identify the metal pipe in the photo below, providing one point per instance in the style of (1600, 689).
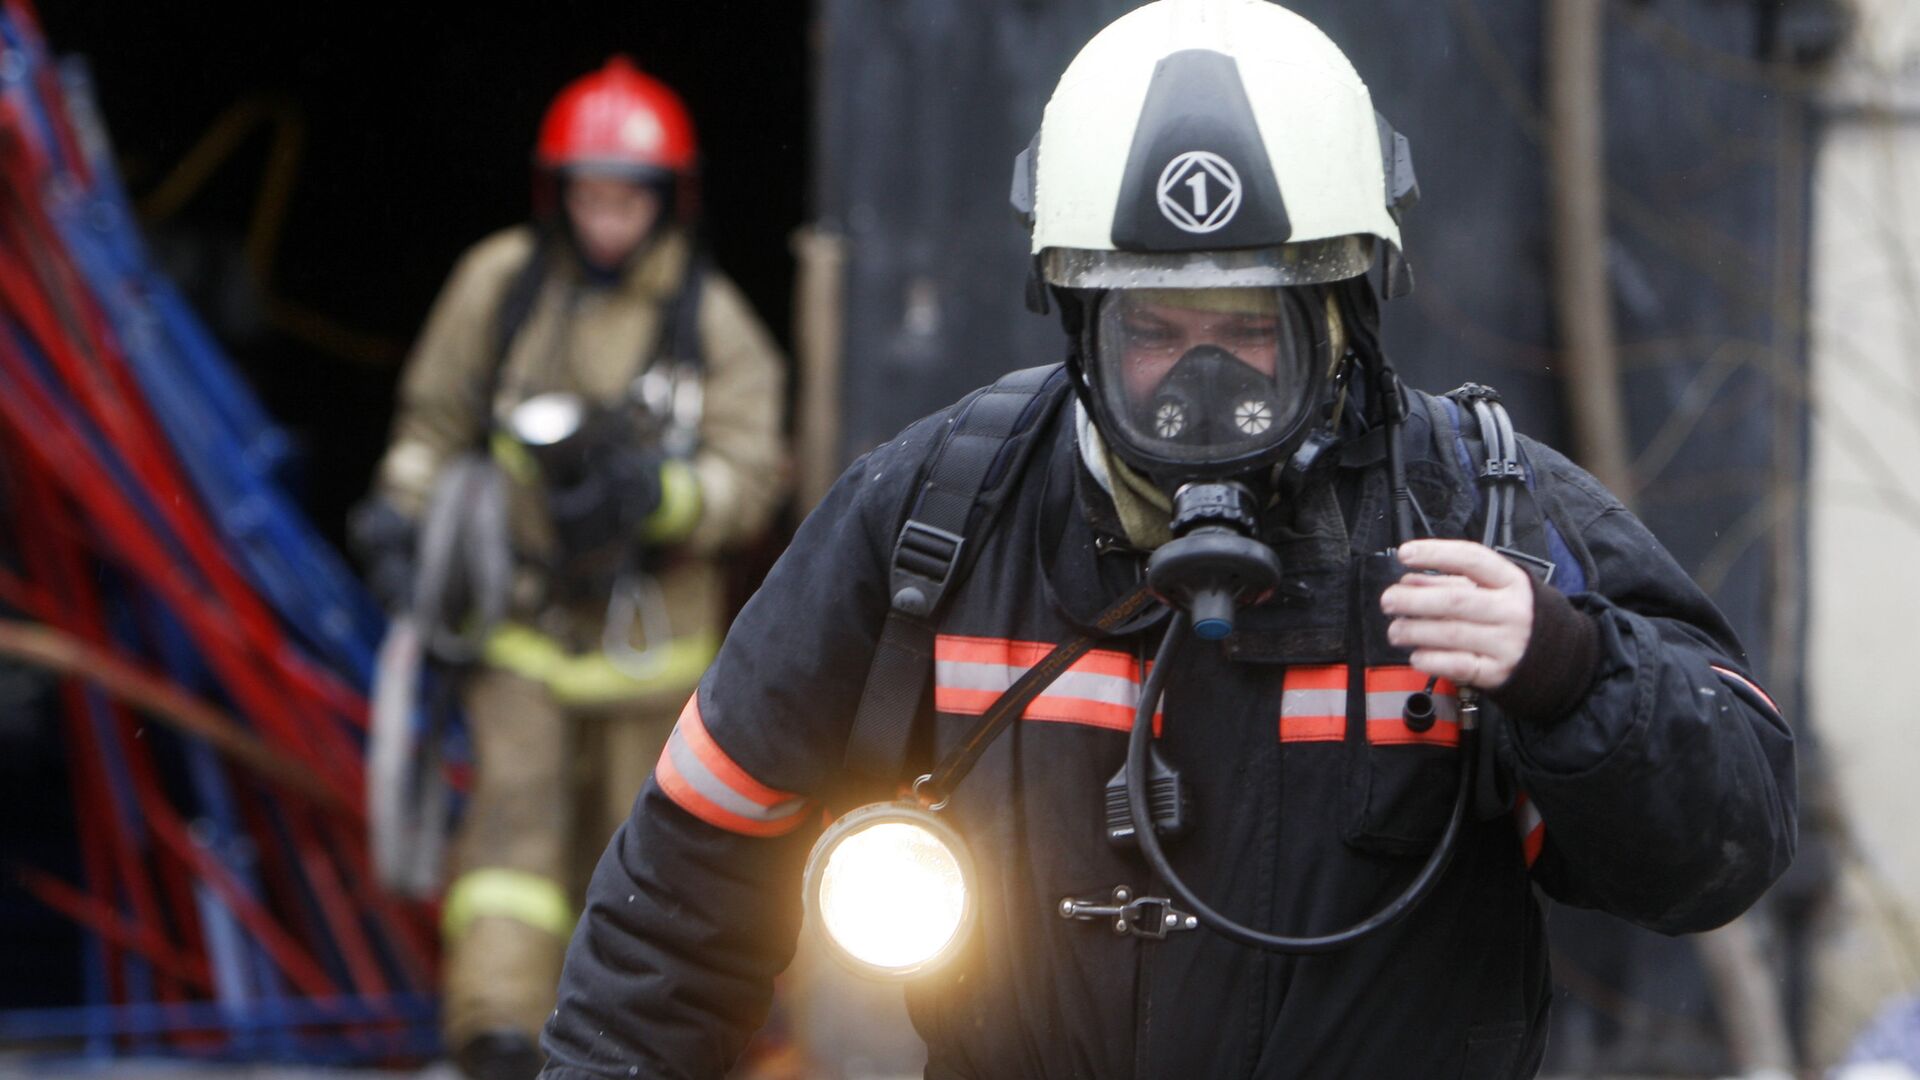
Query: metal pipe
(1582, 291)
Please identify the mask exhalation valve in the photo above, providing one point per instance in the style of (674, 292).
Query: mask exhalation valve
(1214, 564)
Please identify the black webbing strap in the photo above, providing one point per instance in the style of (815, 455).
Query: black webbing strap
(516, 305)
(929, 556)
(523, 290)
(1501, 474)
(1009, 706)
(680, 339)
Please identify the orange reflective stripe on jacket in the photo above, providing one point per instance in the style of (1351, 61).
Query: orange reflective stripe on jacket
(1531, 827)
(1733, 676)
(1101, 689)
(1313, 704)
(1313, 707)
(1387, 691)
(699, 776)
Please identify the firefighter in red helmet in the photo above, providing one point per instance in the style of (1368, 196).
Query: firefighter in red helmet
(588, 422)
(618, 124)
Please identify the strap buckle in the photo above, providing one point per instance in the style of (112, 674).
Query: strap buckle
(923, 555)
(1470, 394)
(1149, 917)
(1502, 471)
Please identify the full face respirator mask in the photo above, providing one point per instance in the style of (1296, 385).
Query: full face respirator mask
(1206, 392)
(1204, 384)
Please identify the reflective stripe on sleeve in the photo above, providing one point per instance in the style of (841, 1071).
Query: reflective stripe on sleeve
(1101, 689)
(697, 775)
(493, 892)
(1530, 827)
(593, 678)
(679, 509)
(1738, 679)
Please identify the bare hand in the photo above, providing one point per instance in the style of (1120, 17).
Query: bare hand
(1470, 621)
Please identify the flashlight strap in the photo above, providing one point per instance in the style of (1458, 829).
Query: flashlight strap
(1009, 706)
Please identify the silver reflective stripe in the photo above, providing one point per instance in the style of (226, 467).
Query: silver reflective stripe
(1313, 703)
(1392, 704)
(996, 678)
(716, 791)
(1527, 818)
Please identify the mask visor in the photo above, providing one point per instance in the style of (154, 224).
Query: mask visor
(1203, 377)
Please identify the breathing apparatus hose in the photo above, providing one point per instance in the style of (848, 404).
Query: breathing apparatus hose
(1503, 445)
(459, 597)
(465, 565)
(1139, 808)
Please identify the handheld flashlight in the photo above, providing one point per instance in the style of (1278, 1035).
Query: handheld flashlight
(889, 887)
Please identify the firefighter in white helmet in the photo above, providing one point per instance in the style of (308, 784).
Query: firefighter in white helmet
(1243, 695)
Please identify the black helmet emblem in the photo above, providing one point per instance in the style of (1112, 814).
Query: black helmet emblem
(1197, 176)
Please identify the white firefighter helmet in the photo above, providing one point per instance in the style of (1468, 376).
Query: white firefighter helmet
(1213, 143)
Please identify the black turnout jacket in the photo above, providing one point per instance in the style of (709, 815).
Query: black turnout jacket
(1665, 796)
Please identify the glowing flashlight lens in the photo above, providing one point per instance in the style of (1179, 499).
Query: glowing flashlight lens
(892, 895)
(545, 419)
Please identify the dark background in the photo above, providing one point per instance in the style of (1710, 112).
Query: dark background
(417, 137)
(419, 128)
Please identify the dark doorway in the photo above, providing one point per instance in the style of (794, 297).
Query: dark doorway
(414, 129)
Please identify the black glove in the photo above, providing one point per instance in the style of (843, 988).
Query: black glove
(603, 511)
(383, 538)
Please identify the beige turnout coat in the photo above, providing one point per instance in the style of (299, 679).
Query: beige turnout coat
(593, 339)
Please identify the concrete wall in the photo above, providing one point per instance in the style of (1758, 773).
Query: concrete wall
(1865, 527)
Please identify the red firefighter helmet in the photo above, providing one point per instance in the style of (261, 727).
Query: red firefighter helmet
(618, 121)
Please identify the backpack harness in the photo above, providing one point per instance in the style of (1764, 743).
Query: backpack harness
(965, 485)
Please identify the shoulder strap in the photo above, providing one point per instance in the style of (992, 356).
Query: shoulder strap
(968, 471)
(679, 331)
(1500, 472)
(680, 339)
(1499, 469)
(516, 305)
